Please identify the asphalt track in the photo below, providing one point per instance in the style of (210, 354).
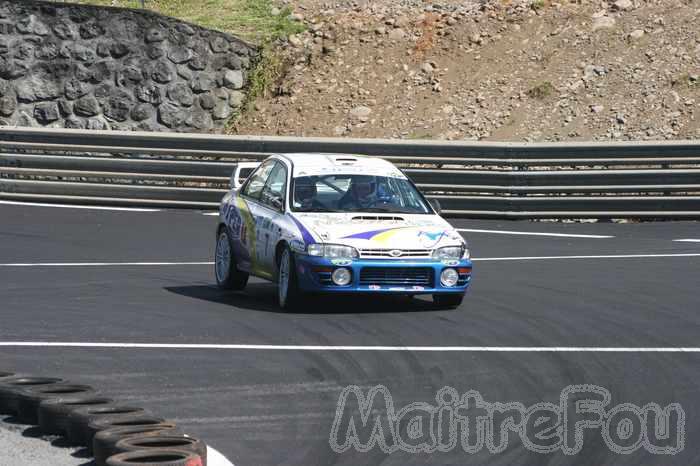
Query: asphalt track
(528, 328)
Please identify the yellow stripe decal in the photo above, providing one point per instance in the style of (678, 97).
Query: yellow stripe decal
(251, 237)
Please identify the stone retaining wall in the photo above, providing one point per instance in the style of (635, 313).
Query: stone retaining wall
(77, 66)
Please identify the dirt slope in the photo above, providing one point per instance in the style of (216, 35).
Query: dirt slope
(491, 69)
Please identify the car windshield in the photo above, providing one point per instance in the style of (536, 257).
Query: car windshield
(356, 193)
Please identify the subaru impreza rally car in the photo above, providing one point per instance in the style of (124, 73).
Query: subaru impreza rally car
(337, 224)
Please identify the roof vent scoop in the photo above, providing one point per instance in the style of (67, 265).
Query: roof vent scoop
(345, 160)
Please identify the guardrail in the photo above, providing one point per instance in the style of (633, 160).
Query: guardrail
(470, 179)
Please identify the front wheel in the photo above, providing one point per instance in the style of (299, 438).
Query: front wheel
(288, 293)
(449, 301)
(227, 274)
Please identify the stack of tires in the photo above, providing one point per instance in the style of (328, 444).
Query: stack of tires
(114, 433)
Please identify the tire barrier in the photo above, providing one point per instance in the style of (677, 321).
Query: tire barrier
(155, 457)
(104, 443)
(78, 432)
(650, 179)
(116, 434)
(129, 421)
(28, 400)
(12, 386)
(162, 442)
(53, 413)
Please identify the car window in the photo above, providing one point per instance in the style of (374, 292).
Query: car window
(274, 192)
(410, 198)
(256, 182)
(356, 193)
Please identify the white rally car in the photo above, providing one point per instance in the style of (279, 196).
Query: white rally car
(337, 224)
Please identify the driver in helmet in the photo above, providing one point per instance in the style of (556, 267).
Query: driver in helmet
(305, 193)
(361, 193)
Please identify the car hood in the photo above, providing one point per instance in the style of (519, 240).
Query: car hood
(380, 231)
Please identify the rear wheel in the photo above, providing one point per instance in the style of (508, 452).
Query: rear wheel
(288, 293)
(449, 301)
(227, 274)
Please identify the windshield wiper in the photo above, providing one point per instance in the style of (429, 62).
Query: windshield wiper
(316, 209)
(378, 209)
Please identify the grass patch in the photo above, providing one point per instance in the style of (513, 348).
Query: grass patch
(685, 80)
(538, 4)
(419, 135)
(265, 78)
(541, 91)
(250, 19)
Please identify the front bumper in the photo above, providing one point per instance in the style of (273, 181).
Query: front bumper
(382, 275)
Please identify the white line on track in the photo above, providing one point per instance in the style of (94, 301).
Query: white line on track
(466, 349)
(78, 206)
(99, 264)
(212, 214)
(214, 458)
(610, 256)
(530, 233)
(475, 259)
(687, 240)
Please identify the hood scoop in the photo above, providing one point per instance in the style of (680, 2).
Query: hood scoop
(378, 218)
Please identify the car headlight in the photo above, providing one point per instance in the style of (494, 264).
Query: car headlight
(451, 252)
(341, 276)
(315, 249)
(449, 277)
(332, 251)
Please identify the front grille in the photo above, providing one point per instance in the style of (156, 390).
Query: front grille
(385, 253)
(401, 276)
(324, 278)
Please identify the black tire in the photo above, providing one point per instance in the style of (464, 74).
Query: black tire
(291, 298)
(28, 400)
(106, 423)
(10, 387)
(104, 442)
(449, 301)
(53, 413)
(228, 277)
(163, 442)
(156, 458)
(78, 432)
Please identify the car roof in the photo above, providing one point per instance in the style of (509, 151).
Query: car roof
(319, 163)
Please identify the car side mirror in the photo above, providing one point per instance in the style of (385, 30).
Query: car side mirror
(276, 203)
(435, 204)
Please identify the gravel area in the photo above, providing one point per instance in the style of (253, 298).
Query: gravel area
(23, 445)
(516, 70)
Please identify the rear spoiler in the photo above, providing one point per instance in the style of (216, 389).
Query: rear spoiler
(241, 173)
